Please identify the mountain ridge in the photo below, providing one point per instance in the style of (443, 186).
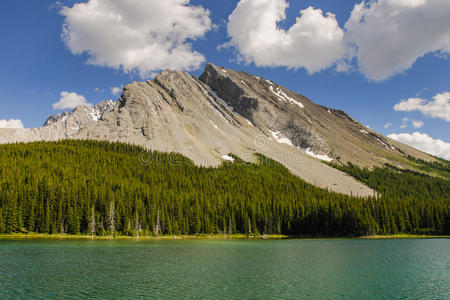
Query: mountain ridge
(228, 112)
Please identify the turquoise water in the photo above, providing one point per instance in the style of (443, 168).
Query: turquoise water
(274, 269)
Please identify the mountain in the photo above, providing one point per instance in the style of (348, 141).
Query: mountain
(81, 116)
(61, 126)
(228, 112)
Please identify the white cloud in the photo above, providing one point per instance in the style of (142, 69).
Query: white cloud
(439, 108)
(116, 90)
(69, 100)
(403, 126)
(387, 125)
(388, 36)
(314, 42)
(417, 124)
(425, 143)
(134, 35)
(343, 66)
(11, 123)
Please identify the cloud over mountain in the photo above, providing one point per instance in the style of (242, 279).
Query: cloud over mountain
(11, 123)
(315, 42)
(439, 107)
(388, 36)
(132, 35)
(425, 143)
(116, 91)
(69, 100)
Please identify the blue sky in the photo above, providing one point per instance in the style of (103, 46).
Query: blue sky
(37, 65)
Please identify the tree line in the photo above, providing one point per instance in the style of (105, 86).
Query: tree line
(103, 188)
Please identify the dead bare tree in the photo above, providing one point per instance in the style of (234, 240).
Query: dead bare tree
(137, 224)
(92, 223)
(112, 218)
(157, 224)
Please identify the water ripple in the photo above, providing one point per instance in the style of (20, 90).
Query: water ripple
(290, 269)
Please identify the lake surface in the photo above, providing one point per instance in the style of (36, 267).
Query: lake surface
(242, 269)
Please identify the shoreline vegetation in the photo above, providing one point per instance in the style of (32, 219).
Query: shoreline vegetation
(24, 236)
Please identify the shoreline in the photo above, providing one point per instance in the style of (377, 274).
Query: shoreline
(207, 237)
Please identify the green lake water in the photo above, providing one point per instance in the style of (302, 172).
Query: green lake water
(240, 269)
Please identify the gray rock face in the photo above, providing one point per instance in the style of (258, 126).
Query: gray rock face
(71, 123)
(322, 130)
(227, 112)
(61, 126)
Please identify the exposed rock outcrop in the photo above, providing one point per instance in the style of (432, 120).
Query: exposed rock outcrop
(225, 112)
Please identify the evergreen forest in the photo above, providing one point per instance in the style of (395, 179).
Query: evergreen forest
(102, 188)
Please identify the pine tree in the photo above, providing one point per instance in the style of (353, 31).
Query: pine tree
(11, 213)
(66, 186)
(2, 222)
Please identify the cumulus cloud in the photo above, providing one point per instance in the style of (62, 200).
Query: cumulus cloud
(116, 90)
(425, 143)
(438, 108)
(314, 42)
(11, 123)
(69, 100)
(388, 36)
(417, 124)
(134, 35)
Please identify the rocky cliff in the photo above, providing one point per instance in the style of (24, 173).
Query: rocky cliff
(223, 112)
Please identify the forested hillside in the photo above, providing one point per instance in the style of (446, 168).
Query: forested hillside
(106, 188)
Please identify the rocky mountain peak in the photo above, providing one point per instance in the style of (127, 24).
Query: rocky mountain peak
(53, 119)
(83, 113)
(70, 124)
(226, 111)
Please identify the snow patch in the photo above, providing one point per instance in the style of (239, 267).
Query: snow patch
(227, 157)
(380, 141)
(384, 144)
(280, 138)
(244, 83)
(282, 96)
(249, 123)
(318, 156)
(221, 100)
(95, 114)
(225, 71)
(329, 111)
(269, 82)
(215, 126)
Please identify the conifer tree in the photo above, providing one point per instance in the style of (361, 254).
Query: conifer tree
(69, 186)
